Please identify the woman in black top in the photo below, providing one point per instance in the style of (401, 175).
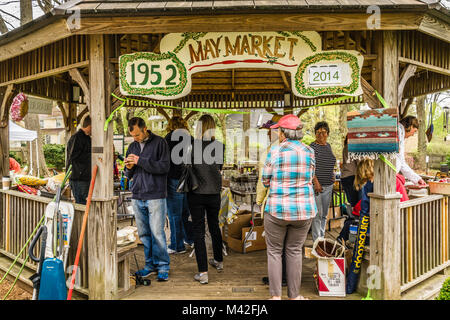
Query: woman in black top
(207, 156)
(323, 179)
(178, 140)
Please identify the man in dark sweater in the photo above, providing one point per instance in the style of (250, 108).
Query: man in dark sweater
(147, 163)
(79, 156)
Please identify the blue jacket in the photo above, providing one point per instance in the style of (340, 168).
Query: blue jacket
(149, 176)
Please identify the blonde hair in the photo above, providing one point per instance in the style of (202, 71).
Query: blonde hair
(364, 173)
(176, 122)
(206, 127)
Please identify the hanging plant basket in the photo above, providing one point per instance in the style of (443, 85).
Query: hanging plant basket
(19, 107)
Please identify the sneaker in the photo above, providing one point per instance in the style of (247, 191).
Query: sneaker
(144, 273)
(190, 245)
(170, 251)
(182, 251)
(216, 264)
(201, 277)
(163, 276)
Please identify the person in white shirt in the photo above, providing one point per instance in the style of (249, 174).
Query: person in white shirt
(407, 128)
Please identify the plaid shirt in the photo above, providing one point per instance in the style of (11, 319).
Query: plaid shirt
(288, 172)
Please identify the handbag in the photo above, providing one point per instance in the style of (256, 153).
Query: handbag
(188, 181)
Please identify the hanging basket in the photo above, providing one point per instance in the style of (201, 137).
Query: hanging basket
(19, 107)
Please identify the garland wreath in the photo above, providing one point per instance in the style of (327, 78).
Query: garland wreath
(330, 56)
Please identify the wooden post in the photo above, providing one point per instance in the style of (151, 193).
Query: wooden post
(6, 94)
(384, 201)
(102, 245)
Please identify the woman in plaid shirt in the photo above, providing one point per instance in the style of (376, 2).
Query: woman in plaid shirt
(290, 207)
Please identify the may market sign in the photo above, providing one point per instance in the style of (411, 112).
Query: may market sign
(168, 75)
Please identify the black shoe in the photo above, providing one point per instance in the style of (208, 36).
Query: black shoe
(265, 280)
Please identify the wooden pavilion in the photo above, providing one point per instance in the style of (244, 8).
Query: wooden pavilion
(406, 52)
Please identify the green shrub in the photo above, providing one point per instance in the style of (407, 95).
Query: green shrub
(307, 139)
(55, 155)
(438, 147)
(444, 294)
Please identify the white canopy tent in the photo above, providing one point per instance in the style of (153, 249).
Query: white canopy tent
(17, 133)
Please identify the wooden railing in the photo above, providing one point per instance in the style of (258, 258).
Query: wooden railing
(19, 215)
(424, 236)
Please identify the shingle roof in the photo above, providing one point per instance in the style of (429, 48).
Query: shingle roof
(159, 6)
(174, 7)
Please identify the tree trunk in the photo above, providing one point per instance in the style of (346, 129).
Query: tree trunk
(26, 11)
(3, 27)
(119, 123)
(32, 123)
(422, 138)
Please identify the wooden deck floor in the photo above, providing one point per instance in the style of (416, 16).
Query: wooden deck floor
(240, 279)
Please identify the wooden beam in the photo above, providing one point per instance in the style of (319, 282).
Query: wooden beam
(404, 110)
(425, 66)
(369, 95)
(190, 114)
(407, 73)
(65, 113)
(6, 95)
(384, 201)
(287, 85)
(163, 112)
(81, 80)
(102, 222)
(46, 73)
(82, 113)
(435, 27)
(37, 39)
(248, 22)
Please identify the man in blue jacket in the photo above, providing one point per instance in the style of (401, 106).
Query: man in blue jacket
(147, 164)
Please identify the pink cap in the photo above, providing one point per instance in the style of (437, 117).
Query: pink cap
(288, 121)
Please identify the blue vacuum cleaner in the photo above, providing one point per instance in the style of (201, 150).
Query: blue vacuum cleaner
(50, 282)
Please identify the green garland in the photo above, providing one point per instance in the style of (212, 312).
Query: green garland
(164, 91)
(188, 36)
(330, 56)
(300, 35)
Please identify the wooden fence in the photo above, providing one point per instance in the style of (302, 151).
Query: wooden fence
(19, 215)
(424, 239)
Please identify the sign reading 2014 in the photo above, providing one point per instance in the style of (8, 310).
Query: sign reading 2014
(167, 75)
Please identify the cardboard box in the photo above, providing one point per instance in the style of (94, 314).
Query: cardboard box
(238, 230)
(330, 277)
(242, 220)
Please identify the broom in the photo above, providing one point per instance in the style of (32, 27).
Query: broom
(83, 229)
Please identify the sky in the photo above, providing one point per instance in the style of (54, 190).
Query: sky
(12, 7)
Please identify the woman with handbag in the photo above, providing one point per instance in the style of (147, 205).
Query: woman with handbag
(207, 157)
(177, 207)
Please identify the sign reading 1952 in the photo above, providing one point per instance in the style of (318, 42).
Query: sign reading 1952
(151, 74)
(323, 75)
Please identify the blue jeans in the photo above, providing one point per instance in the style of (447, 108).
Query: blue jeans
(150, 220)
(80, 190)
(178, 212)
(323, 200)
